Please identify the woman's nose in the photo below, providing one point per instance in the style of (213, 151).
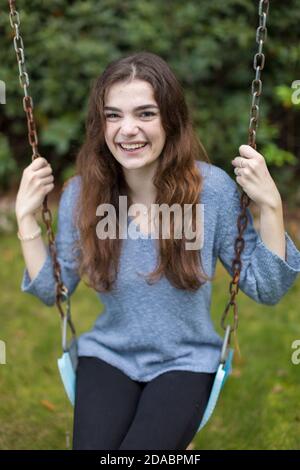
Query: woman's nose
(129, 126)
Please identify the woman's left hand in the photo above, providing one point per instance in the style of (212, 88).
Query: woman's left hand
(254, 177)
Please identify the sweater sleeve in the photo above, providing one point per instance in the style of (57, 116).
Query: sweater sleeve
(265, 276)
(43, 285)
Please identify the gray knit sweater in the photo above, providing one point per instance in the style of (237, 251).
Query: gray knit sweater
(145, 330)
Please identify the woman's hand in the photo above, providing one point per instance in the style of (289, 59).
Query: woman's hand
(254, 177)
(37, 181)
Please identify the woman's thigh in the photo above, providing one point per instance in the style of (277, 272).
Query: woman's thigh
(169, 411)
(105, 404)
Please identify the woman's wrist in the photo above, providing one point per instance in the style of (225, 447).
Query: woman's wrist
(21, 218)
(32, 236)
(28, 228)
(273, 204)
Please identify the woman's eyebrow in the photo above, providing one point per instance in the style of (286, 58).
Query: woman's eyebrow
(144, 106)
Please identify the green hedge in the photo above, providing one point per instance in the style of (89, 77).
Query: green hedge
(210, 46)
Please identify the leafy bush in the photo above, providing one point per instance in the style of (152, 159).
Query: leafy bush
(209, 44)
(7, 164)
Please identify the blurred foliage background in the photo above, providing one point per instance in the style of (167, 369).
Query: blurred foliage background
(208, 44)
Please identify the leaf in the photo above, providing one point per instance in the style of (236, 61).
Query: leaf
(47, 404)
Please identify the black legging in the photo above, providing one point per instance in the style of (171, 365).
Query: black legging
(114, 412)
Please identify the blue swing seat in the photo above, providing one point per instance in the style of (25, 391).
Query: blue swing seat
(222, 373)
(68, 362)
(68, 375)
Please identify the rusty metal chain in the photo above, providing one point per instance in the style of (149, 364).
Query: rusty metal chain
(61, 289)
(256, 90)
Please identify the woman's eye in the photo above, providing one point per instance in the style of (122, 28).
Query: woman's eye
(110, 115)
(113, 115)
(149, 113)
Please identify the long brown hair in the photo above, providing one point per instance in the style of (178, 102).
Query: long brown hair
(177, 179)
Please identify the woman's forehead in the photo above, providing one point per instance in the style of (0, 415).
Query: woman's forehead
(133, 94)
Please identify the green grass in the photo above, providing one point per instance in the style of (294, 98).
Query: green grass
(259, 406)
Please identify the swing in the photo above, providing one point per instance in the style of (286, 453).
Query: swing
(68, 362)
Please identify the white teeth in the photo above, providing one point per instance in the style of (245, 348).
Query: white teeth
(132, 147)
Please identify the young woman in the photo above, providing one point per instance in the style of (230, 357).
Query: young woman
(146, 368)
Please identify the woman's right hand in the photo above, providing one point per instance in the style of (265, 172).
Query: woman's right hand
(37, 181)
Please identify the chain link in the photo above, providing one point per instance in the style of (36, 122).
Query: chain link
(61, 289)
(256, 90)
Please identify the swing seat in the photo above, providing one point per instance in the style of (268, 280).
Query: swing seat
(67, 365)
(67, 368)
(67, 375)
(223, 371)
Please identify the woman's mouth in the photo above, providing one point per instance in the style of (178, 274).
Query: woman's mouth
(133, 151)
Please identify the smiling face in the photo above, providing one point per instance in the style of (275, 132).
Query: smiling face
(132, 119)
